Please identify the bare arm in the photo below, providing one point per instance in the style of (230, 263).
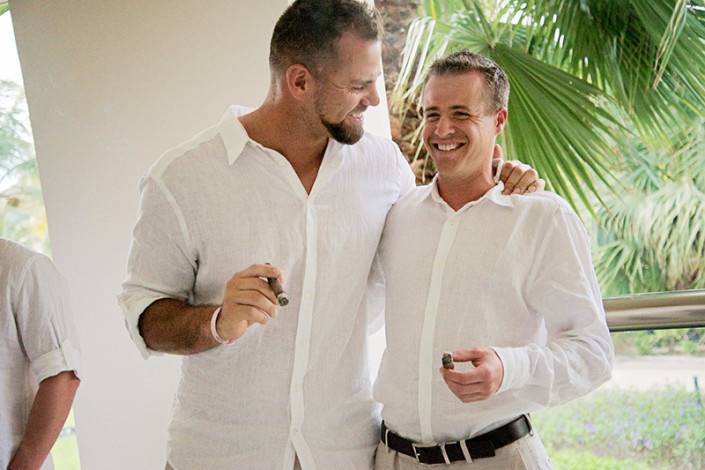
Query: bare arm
(175, 327)
(49, 411)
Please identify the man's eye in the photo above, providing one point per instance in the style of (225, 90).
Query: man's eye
(432, 117)
(462, 115)
(358, 88)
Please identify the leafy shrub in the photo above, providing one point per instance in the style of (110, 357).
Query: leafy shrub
(663, 427)
(569, 459)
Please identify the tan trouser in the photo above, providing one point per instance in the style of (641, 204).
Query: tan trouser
(526, 453)
(297, 465)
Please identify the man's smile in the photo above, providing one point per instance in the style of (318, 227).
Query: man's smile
(356, 116)
(447, 147)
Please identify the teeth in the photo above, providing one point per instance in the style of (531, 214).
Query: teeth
(447, 147)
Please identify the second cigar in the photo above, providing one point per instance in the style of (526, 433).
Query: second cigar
(276, 286)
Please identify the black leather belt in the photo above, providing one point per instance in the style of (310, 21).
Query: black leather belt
(479, 447)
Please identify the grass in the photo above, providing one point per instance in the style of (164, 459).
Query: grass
(569, 459)
(616, 428)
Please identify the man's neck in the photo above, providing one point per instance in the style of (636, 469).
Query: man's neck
(286, 130)
(457, 192)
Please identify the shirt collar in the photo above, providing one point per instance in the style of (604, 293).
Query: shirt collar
(234, 135)
(494, 195)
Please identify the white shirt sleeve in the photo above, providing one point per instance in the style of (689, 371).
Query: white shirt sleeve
(44, 322)
(161, 263)
(563, 289)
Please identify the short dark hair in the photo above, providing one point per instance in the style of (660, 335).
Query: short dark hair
(496, 81)
(307, 32)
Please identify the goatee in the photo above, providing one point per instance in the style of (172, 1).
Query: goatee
(342, 132)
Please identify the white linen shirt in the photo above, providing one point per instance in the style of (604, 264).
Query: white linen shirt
(38, 338)
(301, 384)
(509, 272)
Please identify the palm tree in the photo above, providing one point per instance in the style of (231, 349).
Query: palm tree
(651, 237)
(584, 74)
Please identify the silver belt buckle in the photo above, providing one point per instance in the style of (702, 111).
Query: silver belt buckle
(417, 447)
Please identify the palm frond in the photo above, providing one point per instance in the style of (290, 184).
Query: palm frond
(649, 55)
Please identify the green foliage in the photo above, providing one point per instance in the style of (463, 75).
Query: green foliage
(570, 459)
(644, 53)
(672, 341)
(663, 427)
(651, 237)
(22, 216)
(4, 8)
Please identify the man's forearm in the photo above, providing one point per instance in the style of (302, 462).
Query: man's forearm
(49, 411)
(174, 327)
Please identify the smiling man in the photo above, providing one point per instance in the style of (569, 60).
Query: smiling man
(296, 183)
(504, 282)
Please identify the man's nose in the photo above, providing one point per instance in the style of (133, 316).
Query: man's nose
(444, 127)
(372, 98)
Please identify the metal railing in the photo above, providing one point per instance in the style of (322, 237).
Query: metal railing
(662, 310)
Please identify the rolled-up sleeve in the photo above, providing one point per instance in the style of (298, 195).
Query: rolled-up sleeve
(161, 263)
(562, 289)
(44, 320)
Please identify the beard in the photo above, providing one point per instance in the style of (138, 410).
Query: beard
(343, 131)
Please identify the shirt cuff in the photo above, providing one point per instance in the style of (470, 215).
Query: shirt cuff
(516, 367)
(65, 357)
(133, 305)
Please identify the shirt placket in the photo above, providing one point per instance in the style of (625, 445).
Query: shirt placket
(306, 310)
(426, 359)
(303, 338)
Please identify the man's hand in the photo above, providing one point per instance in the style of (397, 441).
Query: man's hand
(518, 177)
(479, 383)
(248, 299)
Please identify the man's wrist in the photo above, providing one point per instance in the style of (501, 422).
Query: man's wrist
(214, 327)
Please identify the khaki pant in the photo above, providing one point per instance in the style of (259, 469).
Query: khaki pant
(297, 466)
(526, 453)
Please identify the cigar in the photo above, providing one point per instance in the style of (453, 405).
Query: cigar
(276, 286)
(447, 361)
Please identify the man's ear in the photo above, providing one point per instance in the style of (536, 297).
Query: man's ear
(298, 81)
(501, 121)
